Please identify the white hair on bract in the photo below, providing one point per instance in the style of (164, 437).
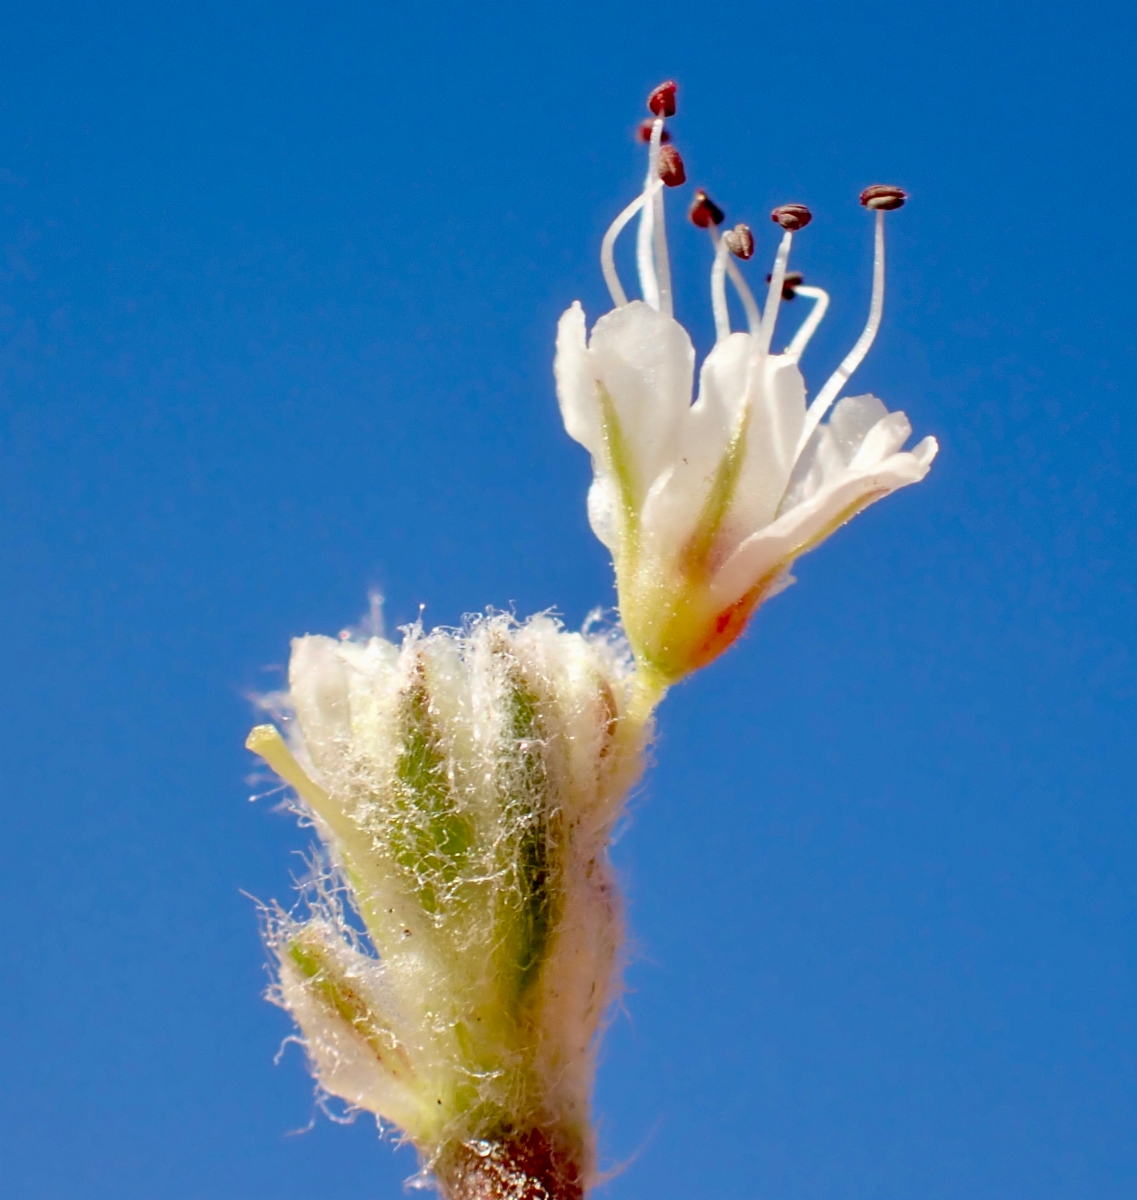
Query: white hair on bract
(464, 784)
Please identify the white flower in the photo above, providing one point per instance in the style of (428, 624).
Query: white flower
(705, 506)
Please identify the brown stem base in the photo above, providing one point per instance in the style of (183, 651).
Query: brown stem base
(523, 1166)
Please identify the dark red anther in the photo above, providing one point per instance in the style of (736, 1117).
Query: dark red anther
(792, 217)
(740, 241)
(645, 133)
(661, 102)
(671, 169)
(790, 283)
(884, 196)
(705, 212)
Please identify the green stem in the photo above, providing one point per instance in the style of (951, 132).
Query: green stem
(648, 690)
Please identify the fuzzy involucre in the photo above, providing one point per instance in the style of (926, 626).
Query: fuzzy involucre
(464, 784)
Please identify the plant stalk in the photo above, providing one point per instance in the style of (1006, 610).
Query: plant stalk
(519, 1166)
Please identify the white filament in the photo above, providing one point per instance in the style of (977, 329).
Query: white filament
(659, 227)
(820, 299)
(854, 358)
(645, 258)
(608, 245)
(718, 289)
(774, 294)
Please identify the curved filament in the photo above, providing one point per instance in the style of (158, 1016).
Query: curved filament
(608, 246)
(855, 357)
(774, 294)
(820, 299)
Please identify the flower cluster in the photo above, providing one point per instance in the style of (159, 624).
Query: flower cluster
(705, 506)
(464, 785)
(456, 958)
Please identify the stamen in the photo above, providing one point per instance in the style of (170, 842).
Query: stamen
(791, 217)
(881, 198)
(718, 287)
(791, 283)
(645, 237)
(661, 101)
(608, 245)
(645, 133)
(749, 304)
(671, 169)
(707, 215)
(820, 299)
(705, 212)
(740, 242)
(651, 242)
(774, 294)
(793, 286)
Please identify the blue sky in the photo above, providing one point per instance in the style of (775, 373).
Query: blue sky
(276, 326)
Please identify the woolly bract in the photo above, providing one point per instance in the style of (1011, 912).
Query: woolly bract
(465, 785)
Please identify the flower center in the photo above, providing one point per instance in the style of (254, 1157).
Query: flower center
(665, 169)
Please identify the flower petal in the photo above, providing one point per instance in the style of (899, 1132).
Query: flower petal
(772, 549)
(744, 490)
(777, 413)
(724, 378)
(676, 499)
(884, 439)
(644, 363)
(925, 450)
(603, 512)
(338, 690)
(576, 387)
(840, 441)
(851, 420)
